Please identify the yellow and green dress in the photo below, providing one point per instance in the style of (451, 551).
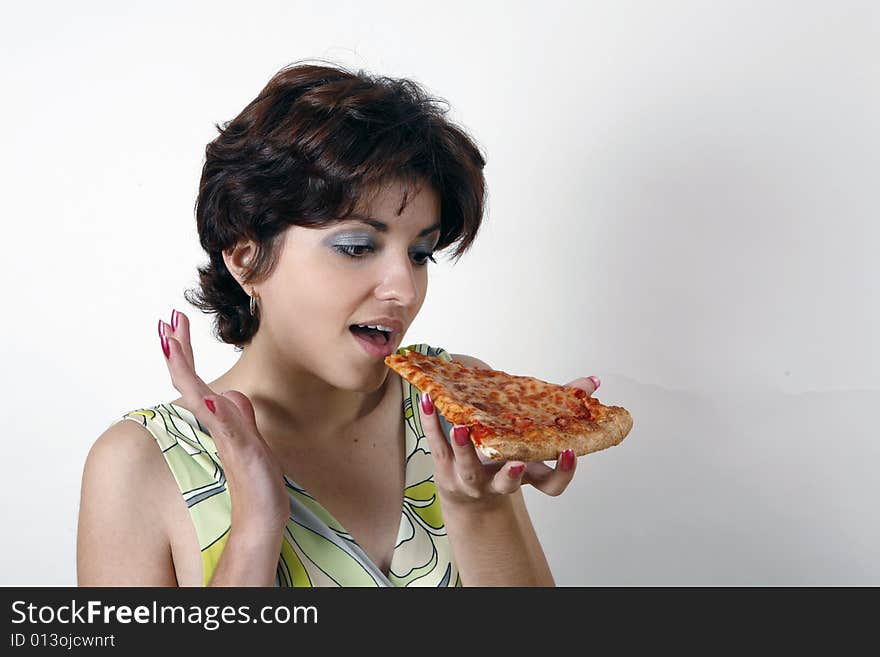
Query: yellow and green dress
(316, 550)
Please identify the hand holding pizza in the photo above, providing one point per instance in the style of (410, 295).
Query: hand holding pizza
(461, 476)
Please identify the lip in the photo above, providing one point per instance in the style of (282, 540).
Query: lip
(380, 350)
(375, 350)
(395, 324)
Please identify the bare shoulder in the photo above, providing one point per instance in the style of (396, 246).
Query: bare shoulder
(122, 537)
(125, 452)
(469, 361)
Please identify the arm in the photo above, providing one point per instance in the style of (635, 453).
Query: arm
(121, 537)
(496, 545)
(247, 560)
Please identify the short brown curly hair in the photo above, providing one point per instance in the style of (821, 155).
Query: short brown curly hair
(315, 141)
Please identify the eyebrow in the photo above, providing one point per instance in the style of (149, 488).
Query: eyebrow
(383, 227)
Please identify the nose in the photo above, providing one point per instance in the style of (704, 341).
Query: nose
(399, 280)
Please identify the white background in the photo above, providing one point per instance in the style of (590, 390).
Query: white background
(683, 200)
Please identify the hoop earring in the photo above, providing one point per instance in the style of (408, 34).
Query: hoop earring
(253, 305)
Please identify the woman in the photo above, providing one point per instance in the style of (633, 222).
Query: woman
(319, 207)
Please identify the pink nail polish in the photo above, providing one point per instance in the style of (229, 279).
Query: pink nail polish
(210, 405)
(566, 460)
(161, 329)
(427, 404)
(166, 348)
(516, 470)
(596, 381)
(174, 320)
(461, 436)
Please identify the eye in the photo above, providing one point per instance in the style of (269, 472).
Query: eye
(357, 251)
(426, 256)
(351, 249)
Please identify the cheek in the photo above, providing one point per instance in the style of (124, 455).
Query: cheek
(319, 303)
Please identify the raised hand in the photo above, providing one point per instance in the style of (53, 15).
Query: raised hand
(260, 504)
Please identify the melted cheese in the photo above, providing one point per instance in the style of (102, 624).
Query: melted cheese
(493, 401)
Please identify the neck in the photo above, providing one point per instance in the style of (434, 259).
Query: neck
(290, 401)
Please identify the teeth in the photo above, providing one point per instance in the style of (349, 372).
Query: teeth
(378, 327)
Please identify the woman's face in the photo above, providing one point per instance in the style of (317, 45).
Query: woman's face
(349, 273)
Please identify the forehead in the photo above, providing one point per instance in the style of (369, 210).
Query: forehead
(383, 227)
(397, 203)
(398, 198)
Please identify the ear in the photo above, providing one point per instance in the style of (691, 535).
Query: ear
(238, 257)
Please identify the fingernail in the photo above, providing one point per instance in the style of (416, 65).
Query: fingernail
(596, 381)
(427, 404)
(516, 470)
(166, 349)
(174, 320)
(461, 436)
(210, 405)
(566, 460)
(161, 328)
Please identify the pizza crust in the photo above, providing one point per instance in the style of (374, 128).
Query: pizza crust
(583, 437)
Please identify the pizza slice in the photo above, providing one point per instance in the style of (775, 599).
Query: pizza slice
(513, 417)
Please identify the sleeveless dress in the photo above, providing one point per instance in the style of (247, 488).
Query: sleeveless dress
(316, 550)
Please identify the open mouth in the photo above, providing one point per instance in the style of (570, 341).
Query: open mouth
(376, 336)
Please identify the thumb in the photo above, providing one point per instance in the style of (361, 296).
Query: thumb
(244, 407)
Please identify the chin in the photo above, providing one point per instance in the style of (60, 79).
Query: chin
(368, 380)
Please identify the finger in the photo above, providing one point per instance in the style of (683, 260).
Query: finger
(508, 478)
(222, 417)
(183, 377)
(588, 383)
(180, 331)
(467, 463)
(552, 481)
(444, 461)
(229, 419)
(244, 406)
(247, 417)
(165, 329)
(536, 474)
